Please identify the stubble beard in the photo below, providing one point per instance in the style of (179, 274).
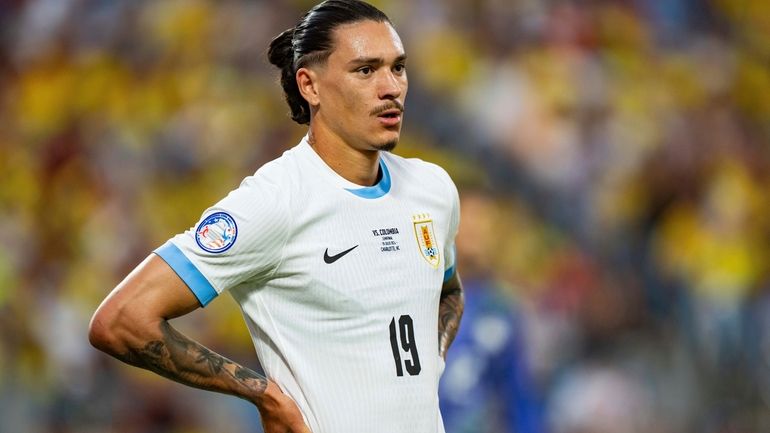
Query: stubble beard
(388, 146)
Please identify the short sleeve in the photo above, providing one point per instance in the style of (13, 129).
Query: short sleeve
(239, 239)
(450, 252)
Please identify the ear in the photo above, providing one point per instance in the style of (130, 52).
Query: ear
(307, 81)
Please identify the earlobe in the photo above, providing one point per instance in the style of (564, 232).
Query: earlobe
(307, 81)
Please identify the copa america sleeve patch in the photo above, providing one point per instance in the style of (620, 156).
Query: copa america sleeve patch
(216, 233)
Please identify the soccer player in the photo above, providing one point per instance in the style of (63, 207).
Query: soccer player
(339, 253)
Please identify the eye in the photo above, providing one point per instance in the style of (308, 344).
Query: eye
(365, 70)
(399, 68)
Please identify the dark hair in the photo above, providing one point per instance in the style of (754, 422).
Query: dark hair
(310, 42)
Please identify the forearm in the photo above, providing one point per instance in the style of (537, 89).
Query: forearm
(450, 312)
(172, 355)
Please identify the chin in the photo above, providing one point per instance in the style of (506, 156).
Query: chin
(387, 142)
(388, 146)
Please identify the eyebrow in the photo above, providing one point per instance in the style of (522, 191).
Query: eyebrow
(374, 60)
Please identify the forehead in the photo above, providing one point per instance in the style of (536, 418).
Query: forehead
(366, 39)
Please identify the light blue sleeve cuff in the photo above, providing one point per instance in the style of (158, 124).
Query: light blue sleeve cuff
(449, 273)
(198, 284)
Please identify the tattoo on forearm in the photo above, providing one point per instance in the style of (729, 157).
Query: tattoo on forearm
(180, 359)
(450, 312)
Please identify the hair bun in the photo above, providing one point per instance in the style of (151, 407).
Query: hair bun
(281, 51)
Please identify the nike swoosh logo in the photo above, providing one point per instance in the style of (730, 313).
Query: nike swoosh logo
(331, 259)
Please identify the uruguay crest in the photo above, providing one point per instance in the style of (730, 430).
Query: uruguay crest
(426, 239)
(216, 233)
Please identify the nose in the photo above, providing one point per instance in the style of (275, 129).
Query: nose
(390, 85)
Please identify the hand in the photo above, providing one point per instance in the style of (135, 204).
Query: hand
(279, 412)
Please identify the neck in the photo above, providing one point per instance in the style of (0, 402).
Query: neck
(355, 165)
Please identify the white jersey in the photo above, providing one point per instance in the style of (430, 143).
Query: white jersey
(339, 284)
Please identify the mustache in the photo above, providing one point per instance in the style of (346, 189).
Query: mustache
(387, 106)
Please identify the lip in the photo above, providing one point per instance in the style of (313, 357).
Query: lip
(390, 121)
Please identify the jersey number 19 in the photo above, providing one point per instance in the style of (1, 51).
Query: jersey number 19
(408, 344)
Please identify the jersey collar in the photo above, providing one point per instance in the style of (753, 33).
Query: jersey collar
(378, 190)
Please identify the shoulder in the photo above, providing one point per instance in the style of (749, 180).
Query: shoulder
(274, 178)
(264, 195)
(278, 170)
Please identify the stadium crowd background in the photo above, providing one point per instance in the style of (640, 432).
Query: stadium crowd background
(613, 159)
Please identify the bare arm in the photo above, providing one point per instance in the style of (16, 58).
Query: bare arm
(450, 311)
(132, 325)
(181, 359)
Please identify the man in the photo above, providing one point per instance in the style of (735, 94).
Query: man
(339, 253)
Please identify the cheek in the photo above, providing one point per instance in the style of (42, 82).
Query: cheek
(346, 106)
(353, 97)
(342, 97)
(351, 101)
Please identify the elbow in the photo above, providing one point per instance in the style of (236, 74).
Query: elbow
(105, 332)
(100, 334)
(117, 328)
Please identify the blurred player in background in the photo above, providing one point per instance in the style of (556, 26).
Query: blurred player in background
(488, 386)
(340, 254)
